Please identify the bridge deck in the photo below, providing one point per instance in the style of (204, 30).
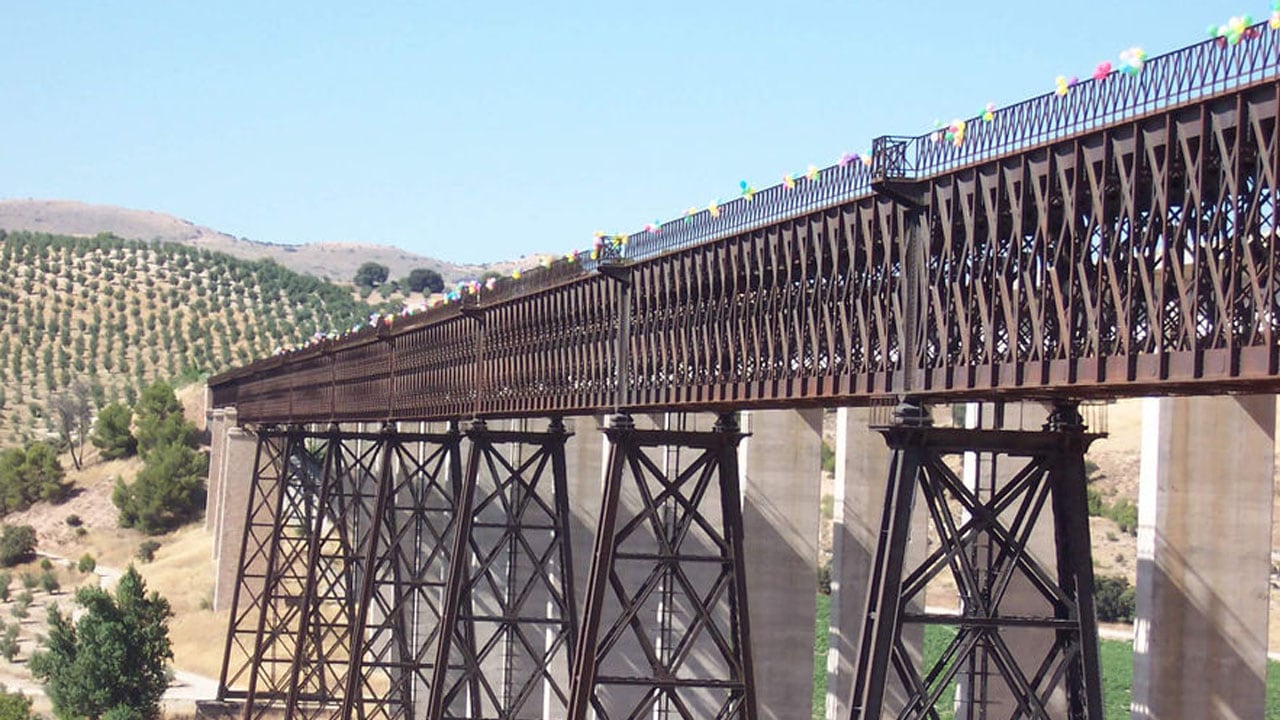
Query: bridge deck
(1116, 241)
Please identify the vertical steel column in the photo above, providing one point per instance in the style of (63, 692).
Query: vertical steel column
(456, 583)
(884, 592)
(582, 683)
(1075, 561)
(696, 552)
(1001, 522)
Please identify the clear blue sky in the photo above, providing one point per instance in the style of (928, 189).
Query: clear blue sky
(483, 131)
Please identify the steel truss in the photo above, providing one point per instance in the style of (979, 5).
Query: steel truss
(985, 536)
(347, 576)
(512, 602)
(665, 631)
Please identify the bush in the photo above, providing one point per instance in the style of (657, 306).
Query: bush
(86, 564)
(9, 643)
(74, 520)
(147, 551)
(17, 544)
(29, 581)
(1113, 599)
(49, 582)
(5, 579)
(46, 564)
(14, 706)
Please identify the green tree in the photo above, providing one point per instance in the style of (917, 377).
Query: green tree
(29, 475)
(113, 660)
(424, 279)
(158, 417)
(168, 492)
(371, 274)
(17, 545)
(111, 433)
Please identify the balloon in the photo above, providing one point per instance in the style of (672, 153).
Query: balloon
(812, 174)
(789, 181)
(1102, 70)
(713, 207)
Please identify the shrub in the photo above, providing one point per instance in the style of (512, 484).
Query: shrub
(49, 582)
(46, 564)
(17, 544)
(74, 520)
(14, 706)
(9, 644)
(29, 581)
(1113, 598)
(147, 550)
(86, 564)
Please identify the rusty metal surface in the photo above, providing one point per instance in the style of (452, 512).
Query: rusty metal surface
(1135, 254)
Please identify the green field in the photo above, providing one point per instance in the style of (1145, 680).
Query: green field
(1117, 669)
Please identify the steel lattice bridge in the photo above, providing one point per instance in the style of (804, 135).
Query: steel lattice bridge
(1116, 241)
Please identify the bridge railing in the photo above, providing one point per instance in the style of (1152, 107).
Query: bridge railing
(1177, 77)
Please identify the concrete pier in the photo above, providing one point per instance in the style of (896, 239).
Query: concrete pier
(1204, 542)
(235, 477)
(781, 465)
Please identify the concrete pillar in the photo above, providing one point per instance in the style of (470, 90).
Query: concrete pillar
(237, 479)
(1204, 541)
(585, 455)
(781, 485)
(215, 501)
(861, 474)
(217, 445)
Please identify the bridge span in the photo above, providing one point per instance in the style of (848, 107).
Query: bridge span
(401, 536)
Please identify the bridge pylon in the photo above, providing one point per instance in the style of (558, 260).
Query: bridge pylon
(985, 530)
(665, 629)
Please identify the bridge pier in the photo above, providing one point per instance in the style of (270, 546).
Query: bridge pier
(781, 461)
(986, 547)
(1204, 541)
(666, 623)
(230, 477)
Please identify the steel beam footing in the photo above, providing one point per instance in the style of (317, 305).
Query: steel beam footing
(378, 579)
(984, 538)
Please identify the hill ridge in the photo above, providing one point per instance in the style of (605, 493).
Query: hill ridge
(335, 261)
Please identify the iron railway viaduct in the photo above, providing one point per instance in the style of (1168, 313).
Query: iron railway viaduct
(594, 491)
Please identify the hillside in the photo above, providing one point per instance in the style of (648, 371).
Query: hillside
(333, 261)
(120, 314)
